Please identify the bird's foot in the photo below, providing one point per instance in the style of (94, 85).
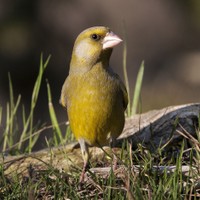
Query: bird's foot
(83, 176)
(115, 160)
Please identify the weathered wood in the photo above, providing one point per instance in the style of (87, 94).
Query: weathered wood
(158, 127)
(152, 129)
(185, 169)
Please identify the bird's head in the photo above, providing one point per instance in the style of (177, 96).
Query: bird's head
(93, 45)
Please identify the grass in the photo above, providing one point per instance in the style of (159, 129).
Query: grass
(139, 175)
(133, 106)
(147, 183)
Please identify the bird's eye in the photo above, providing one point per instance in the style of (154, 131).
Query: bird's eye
(95, 37)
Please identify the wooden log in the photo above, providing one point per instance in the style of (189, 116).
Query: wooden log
(159, 127)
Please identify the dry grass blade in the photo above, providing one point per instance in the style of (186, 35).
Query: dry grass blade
(189, 137)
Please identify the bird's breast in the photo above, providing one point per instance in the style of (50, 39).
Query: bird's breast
(93, 100)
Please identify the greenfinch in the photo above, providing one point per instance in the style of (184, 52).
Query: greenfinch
(93, 94)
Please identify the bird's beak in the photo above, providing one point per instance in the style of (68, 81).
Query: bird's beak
(111, 40)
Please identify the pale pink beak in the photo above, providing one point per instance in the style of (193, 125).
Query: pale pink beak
(111, 40)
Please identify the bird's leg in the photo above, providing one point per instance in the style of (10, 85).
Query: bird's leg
(114, 161)
(85, 155)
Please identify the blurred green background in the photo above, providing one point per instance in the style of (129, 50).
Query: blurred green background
(165, 34)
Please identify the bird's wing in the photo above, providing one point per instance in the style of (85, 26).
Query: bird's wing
(124, 91)
(63, 97)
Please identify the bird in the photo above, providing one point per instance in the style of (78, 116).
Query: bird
(93, 94)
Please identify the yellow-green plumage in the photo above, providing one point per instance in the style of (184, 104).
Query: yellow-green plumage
(95, 105)
(94, 95)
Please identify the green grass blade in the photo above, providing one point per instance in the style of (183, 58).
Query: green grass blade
(53, 117)
(68, 135)
(28, 123)
(137, 91)
(35, 94)
(12, 108)
(126, 74)
(132, 107)
(24, 132)
(38, 81)
(6, 132)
